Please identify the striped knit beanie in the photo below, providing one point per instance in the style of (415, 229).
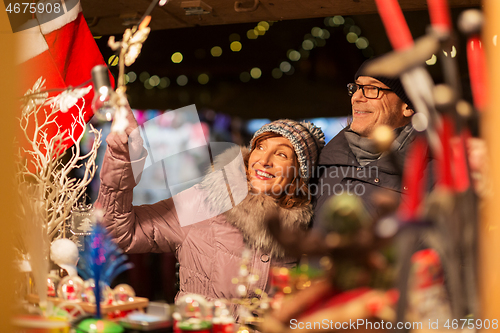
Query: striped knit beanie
(392, 82)
(306, 139)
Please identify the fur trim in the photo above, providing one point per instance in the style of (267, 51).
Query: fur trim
(249, 214)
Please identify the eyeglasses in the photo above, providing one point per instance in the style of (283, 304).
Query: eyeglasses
(369, 91)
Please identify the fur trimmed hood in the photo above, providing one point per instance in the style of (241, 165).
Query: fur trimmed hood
(248, 215)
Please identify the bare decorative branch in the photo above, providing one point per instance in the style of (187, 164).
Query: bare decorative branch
(43, 167)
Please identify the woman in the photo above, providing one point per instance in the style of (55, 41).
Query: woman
(278, 163)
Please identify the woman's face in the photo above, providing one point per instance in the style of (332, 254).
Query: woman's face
(272, 165)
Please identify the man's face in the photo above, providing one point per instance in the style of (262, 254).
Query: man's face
(388, 109)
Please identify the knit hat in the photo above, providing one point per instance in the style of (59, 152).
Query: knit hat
(306, 139)
(392, 82)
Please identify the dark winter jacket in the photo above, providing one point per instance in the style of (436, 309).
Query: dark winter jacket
(339, 172)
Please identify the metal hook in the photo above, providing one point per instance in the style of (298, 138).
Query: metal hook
(238, 6)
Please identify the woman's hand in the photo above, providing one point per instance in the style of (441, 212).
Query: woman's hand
(126, 144)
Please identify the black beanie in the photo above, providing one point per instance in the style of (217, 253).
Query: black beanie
(392, 82)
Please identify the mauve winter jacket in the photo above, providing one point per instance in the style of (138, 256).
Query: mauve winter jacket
(209, 252)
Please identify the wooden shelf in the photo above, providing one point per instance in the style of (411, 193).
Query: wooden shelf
(138, 303)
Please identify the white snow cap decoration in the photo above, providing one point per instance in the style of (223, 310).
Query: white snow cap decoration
(65, 254)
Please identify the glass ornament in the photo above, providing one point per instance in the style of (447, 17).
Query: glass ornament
(88, 295)
(70, 288)
(124, 293)
(52, 282)
(193, 310)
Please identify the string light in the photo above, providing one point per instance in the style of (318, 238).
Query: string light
(235, 46)
(256, 73)
(277, 73)
(177, 57)
(182, 80)
(113, 60)
(216, 51)
(245, 77)
(131, 77)
(154, 80)
(144, 76)
(164, 83)
(203, 78)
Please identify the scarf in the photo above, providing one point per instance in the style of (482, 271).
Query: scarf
(365, 150)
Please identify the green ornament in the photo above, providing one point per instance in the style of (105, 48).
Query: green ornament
(93, 325)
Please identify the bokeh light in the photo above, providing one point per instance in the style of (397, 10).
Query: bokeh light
(216, 51)
(164, 83)
(264, 24)
(307, 44)
(351, 37)
(362, 43)
(245, 77)
(234, 38)
(235, 46)
(285, 66)
(131, 77)
(294, 55)
(251, 34)
(277, 73)
(154, 80)
(182, 80)
(177, 57)
(144, 76)
(203, 78)
(256, 73)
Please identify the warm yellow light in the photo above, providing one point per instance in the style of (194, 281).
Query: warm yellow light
(294, 56)
(144, 76)
(177, 57)
(113, 60)
(351, 37)
(131, 76)
(338, 20)
(164, 83)
(260, 30)
(154, 80)
(307, 44)
(251, 34)
(362, 43)
(255, 72)
(216, 51)
(234, 37)
(277, 73)
(245, 77)
(264, 24)
(203, 78)
(285, 66)
(235, 46)
(182, 80)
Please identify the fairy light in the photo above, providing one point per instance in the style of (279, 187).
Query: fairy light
(256, 73)
(203, 78)
(235, 46)
(131, 77)
(177, 57)
(216, 51)
(164, 83)
(276, 73)
(182, 80)
(144, 76)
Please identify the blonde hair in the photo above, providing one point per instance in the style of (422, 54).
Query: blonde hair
(297, 193)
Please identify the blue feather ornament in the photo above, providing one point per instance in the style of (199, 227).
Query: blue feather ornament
(102, 260)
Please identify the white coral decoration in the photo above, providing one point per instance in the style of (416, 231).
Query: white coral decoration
(136, 45)
(316, 132)
(67, 99)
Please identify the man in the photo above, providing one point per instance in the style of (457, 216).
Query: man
(350, 163)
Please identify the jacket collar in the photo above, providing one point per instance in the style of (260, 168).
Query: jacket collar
(338, 153)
